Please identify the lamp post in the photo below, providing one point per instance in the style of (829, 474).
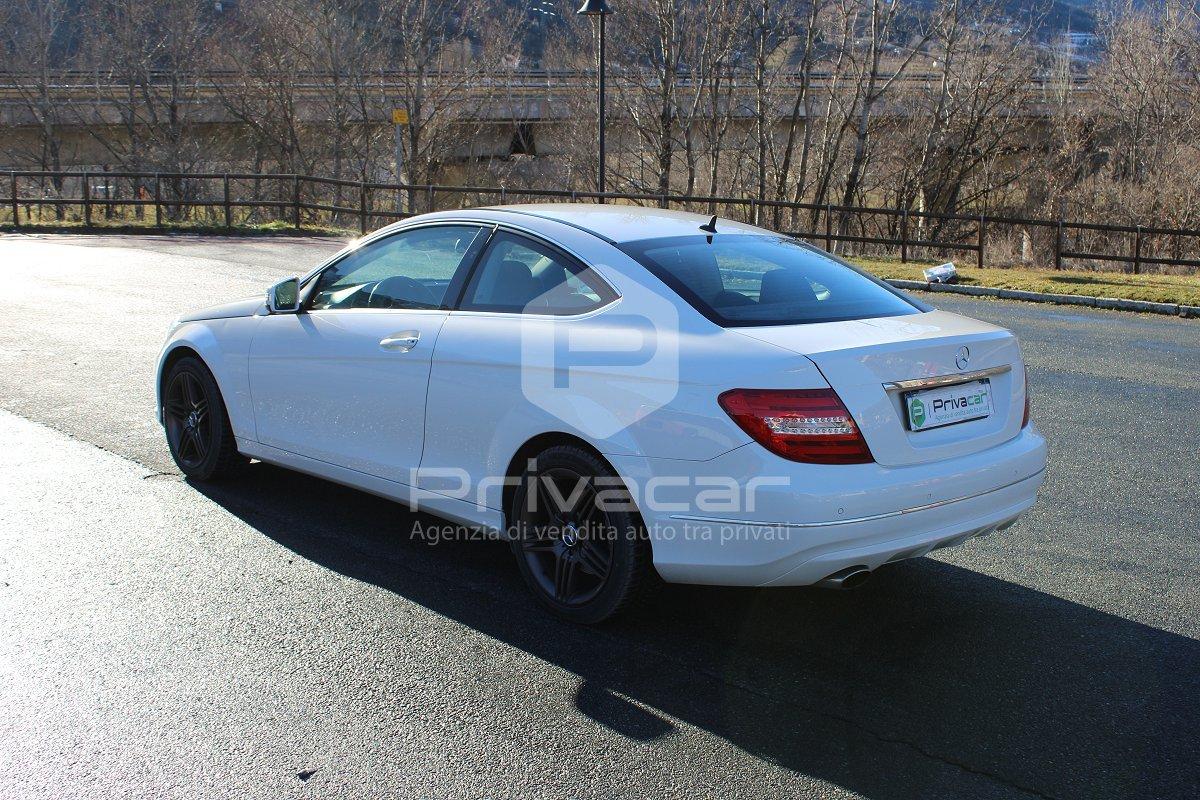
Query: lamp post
(599, 9)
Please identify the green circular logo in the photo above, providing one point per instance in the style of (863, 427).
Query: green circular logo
(918, 413)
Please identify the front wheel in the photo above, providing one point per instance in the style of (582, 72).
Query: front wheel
(579, 542)
(197, 426)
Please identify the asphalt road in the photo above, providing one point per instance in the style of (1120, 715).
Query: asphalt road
(288, 638)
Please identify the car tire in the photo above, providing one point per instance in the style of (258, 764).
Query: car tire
(588, 560)
(197, 424)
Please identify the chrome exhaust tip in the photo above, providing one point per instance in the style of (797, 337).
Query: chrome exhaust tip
(846, 578)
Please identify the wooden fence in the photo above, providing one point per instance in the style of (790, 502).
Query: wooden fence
(229, 200)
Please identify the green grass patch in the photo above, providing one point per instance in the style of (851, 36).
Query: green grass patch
(1153, 288)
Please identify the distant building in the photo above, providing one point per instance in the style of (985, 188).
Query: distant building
(1078, 47)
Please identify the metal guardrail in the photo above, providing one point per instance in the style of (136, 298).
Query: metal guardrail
(297, 198)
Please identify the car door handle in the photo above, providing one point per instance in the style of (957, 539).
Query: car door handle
(400, 342)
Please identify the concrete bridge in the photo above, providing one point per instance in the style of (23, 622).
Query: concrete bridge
(510, 112)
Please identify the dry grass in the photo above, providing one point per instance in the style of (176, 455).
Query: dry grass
(1154, 288)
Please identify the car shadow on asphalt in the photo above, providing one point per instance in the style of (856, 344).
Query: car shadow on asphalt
(930, 680)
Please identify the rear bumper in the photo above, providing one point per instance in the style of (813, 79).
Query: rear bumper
(828, 518)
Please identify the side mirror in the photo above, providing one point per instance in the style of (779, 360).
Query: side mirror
(284, 297)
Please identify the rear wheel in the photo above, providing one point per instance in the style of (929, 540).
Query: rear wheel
(579, 542)
(196, 423)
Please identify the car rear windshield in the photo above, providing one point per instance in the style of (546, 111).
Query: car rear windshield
(743, 280)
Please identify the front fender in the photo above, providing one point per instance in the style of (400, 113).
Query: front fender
(224, 347)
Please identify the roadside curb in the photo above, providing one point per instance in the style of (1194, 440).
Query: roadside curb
(1110, 303)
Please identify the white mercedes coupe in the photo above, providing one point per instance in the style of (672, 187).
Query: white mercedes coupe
(625, 394)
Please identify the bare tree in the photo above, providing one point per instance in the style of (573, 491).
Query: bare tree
(799, 120)
(883, 37)
(1147, 105)
(436, 78)
(971, 125)
(649, 65)
(263, 89)
(35, 46)
(706, 104)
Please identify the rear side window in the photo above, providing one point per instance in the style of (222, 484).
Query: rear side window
(743, 280)
(524, 276)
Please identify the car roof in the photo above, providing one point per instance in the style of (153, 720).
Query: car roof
(622, 223)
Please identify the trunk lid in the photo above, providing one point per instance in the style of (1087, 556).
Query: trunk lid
(860, 358)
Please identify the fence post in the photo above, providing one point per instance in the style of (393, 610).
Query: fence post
(430, 193)
(503, 196)
(16, 206)
(157, 200)
(1137, 251)
(979, 252)
(828, 227)
(362, 207)
(296, 201)
(1058, 245)
(904, 236)
(228, 205)
(87, 200)
(108, 195)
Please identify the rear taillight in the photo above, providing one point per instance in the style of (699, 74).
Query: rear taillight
(809, 425)
(1025, 419)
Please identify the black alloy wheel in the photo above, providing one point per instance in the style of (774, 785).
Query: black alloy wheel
(189, 423)
(579, 543)
(197, 426)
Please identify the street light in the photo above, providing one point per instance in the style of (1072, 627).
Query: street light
(600, 9)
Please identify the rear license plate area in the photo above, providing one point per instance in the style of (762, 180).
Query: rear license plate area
(927, 409)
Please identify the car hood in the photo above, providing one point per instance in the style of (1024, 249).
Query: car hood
(247, 307)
